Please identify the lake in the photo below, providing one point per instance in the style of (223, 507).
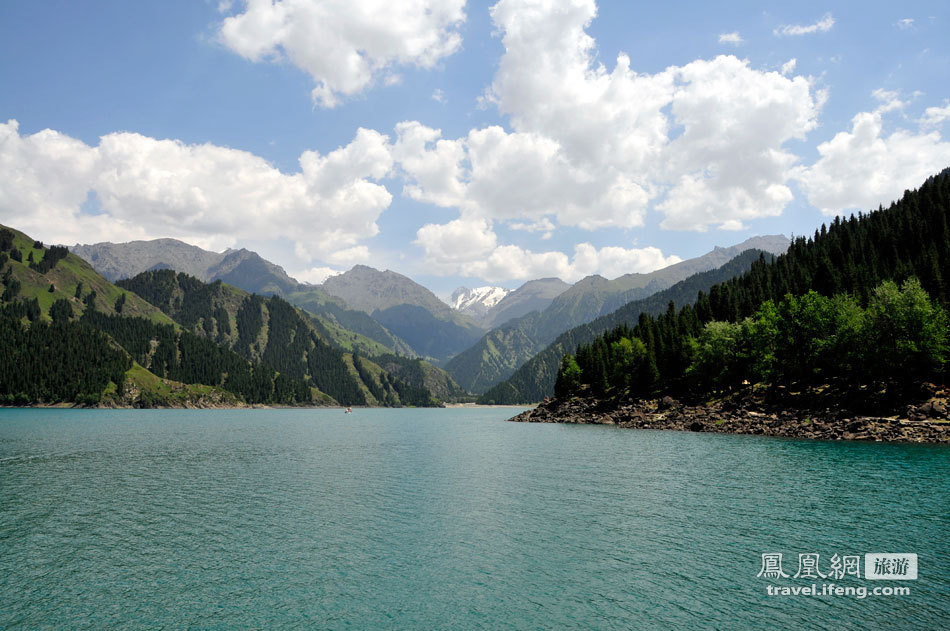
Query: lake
(452, 519)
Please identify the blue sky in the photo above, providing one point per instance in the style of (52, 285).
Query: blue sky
(464, 143)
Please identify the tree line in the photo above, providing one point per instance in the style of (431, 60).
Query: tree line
(535, 379)
(54, 362)
(808, 315)
(901, 336)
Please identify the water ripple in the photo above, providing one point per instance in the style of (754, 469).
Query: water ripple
(428, 519)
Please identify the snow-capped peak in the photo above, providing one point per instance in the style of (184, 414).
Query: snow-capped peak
(479, 299)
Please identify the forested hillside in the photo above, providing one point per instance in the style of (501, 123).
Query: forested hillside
(502, 350)
(275, 333)
(406, 309)
(861, 302)
(350, 329)
(535, 379)
(48, 354)
(71, 336)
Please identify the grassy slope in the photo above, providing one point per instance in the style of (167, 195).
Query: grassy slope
(144, 388)
(67, 274)
(349, 329)
(65, 277)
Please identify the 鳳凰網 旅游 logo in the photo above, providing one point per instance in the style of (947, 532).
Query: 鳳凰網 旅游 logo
(883, 566)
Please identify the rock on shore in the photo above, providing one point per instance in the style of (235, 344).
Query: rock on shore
(925, 423)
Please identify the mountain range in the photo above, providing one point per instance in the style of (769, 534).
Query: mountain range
(477, 302)
(502, 350)
(481, 338)
(241, 268)
(167, 338)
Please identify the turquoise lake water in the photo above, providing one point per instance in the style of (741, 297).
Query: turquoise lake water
(449, 519)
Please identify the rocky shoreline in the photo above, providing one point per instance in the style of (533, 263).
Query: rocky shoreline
(927, 422)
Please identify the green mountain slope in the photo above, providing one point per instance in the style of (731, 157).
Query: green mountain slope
(535, 379)
(495, 356)
(52, 352)
(70, 277)
(406, 309)
(349, 329)
(269, 330)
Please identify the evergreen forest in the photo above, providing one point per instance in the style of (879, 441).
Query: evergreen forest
(861, 302)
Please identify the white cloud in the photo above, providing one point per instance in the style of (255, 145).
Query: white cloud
(890, 100)
(821, 26)
(789, 66)
(512, 262)
(612, 261)
(438, 96)
(315, 275)
(432, 165)
(517, 176)
(719, 122)
(494, 174)
(543, 225)
(150, 188)
(934, 116)
(344, 44)
(863, 168)
(729, 161)
(449, 246)
(349, 256)
(904, 23)
(43, 177)
(730, 38)
(593, 147)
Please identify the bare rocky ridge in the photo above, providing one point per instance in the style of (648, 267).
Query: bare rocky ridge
(241, 268)
(534, 295)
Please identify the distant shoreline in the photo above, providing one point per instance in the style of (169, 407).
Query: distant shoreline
(479, 406)
(255, 406)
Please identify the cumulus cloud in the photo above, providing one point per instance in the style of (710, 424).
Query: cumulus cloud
(821, 26)
(890, 100)
(729, 160)
(514, 177)
(449, 247)
(432, 164)
(512, 262)
(862, 168)
(344, 44)
(789, 66)
(592, 147)
(470, 247)
(148, 188)
(543, 225)
(350, 256)
(934, 116)
(315, 275)
(708, 121)
(730, 38)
